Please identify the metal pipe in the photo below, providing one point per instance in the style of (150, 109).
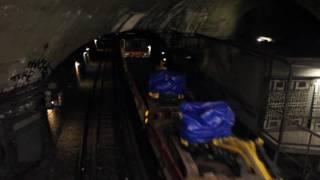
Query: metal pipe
(284, 113)
(264, 104)
(301, 145)
(311, 108)
(307, 156)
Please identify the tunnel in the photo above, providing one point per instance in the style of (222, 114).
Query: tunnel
(180, 89)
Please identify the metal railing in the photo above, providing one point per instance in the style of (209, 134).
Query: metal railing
(259, 112)
(306, 145)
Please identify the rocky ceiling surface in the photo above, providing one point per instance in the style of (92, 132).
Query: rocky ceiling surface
(52, 29)
(312, 5)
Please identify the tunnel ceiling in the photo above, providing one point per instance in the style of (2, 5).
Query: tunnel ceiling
(294, 29)
(52, 29)
(312, 5)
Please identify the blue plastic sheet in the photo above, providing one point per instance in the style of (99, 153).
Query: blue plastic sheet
(166, 82)
(204, 121)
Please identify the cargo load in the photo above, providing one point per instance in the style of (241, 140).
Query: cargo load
(167, 83)
(205, 121)
(194, 140)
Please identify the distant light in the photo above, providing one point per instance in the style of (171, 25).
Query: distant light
(146, 120)
(316, 85)
(126, 54)
(85, 57)
(52, 102)
(146, 113)
(149, 49)
(188, 57)
(164, 59)
(264, 39)
(87, 49)
(163, 53)
(95, 41)
(76, 64)
(317, 82)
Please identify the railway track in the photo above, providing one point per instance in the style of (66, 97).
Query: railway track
(108, 149)
(99, 156)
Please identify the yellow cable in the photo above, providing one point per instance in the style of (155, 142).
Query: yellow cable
(247, 150)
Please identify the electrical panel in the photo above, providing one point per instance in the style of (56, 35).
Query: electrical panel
(299, 103)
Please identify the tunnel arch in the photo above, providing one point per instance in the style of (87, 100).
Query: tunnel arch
(52, 29)
(48, 31)
(292, 27)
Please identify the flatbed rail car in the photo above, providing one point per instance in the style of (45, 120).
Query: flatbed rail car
(147, 107)
(179, 163)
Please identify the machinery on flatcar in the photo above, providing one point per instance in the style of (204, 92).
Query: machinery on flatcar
(225, 157)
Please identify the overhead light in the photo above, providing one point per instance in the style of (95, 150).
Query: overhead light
(264, 39)
(164, 59)
(317, 82)
(163, 53)
(87, 49)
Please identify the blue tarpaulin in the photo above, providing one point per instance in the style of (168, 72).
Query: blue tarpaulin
(166, 82)
(204, 121)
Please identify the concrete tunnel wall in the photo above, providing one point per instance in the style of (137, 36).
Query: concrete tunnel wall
(241, 76)
(45, 32)
(52, 29)
(220, 71)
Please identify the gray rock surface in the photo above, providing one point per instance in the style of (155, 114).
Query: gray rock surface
(52, 29)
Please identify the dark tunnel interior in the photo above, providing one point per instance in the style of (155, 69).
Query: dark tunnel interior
(141, 90)
(293, 28)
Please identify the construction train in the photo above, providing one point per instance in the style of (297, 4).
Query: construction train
(225, 157)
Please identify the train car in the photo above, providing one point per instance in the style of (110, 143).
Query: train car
(135, 48)
(223, 158)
